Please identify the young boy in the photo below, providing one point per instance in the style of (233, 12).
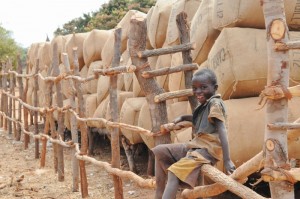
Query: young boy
(181, 162)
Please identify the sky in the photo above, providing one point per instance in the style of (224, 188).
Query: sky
(31, 21)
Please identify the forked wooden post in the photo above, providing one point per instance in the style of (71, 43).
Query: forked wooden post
(275, 142)
(181, 20)
(36, 114)
(115, 141)
(20, 83)
(158, 111)
(83, 128)
(5, 98)
(10, 101)
(73, 122)
(60, 115)
(25, 111)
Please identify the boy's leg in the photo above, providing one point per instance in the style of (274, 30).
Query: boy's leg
(171, 187)
(160, 177)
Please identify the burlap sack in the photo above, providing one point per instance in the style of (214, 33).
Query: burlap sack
(163, 61)
(83, 73)
(202, 32)
(43, 56)
(108, 49)
(246, 127)
(100, 112)
(91, 104)
(93, 45)
(245, 13)
(103, 85)
(129, 114)
(157, 22)
(61, 42)
(33, 54)
(239, 59)
(187, 6)
(92, 85)
(76, 41)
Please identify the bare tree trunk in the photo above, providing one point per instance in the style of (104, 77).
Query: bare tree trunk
(83, 128)
(36, 114)
(60, 117)
(158, 111)
(115, 138)
(74, 131)
(20, 82)
(275, 144)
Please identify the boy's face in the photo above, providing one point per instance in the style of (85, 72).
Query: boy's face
(203, 89)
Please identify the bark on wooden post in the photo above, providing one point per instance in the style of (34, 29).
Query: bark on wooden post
(83, 128)
(36, 114)
(184, 37)
(14, 105)
(26, 112)
(20, 83)
(275, 144)
(158, 111)
(10, 104)
(73, 122)
(60, 116)
(115, 141)
(5, 99)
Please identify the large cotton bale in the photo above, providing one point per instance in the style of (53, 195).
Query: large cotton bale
(100, 112)
(189, 7)
(92, 85)
(108, 49)
(245, 13)
(129, 114)
(60, 41)
(157, 22)
(76, 40)
(93, 45)
(44, 56)
(83, 73)
(91, 104)
(239, 59)
(202, 32)
(246, 127)
(33, 53)
(103, 85)
(163, 61)
(173, 110)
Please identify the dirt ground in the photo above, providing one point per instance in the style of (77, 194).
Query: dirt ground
(18, 164)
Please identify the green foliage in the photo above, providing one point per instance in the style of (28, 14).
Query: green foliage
(9, 48)
(108, 16)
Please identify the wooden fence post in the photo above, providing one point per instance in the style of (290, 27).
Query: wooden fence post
(20, 83)
(10, 101)
(5, 99)
(83, 128)
(35, 113)
(74, 130)
(26, 112)
(158, 111)
(60, 115)
(275, 143)
(115, 141)
(184, 37)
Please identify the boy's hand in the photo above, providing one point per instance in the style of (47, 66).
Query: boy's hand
(229, 167)
(177, 120)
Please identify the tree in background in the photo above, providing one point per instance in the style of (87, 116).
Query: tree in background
(108, 16)
(9, 48)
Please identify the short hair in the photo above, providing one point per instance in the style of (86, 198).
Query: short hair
(210, 74)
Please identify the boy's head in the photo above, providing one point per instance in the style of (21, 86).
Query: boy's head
(204, 84)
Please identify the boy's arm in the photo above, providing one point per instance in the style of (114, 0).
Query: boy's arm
(221, 129)
(181, 118)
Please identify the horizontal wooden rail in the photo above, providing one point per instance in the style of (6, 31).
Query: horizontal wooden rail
(283, 126)
(170, 70)
(174, 94)
(115, 70)
(168, 50)
(21, 75)
(279, 46)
